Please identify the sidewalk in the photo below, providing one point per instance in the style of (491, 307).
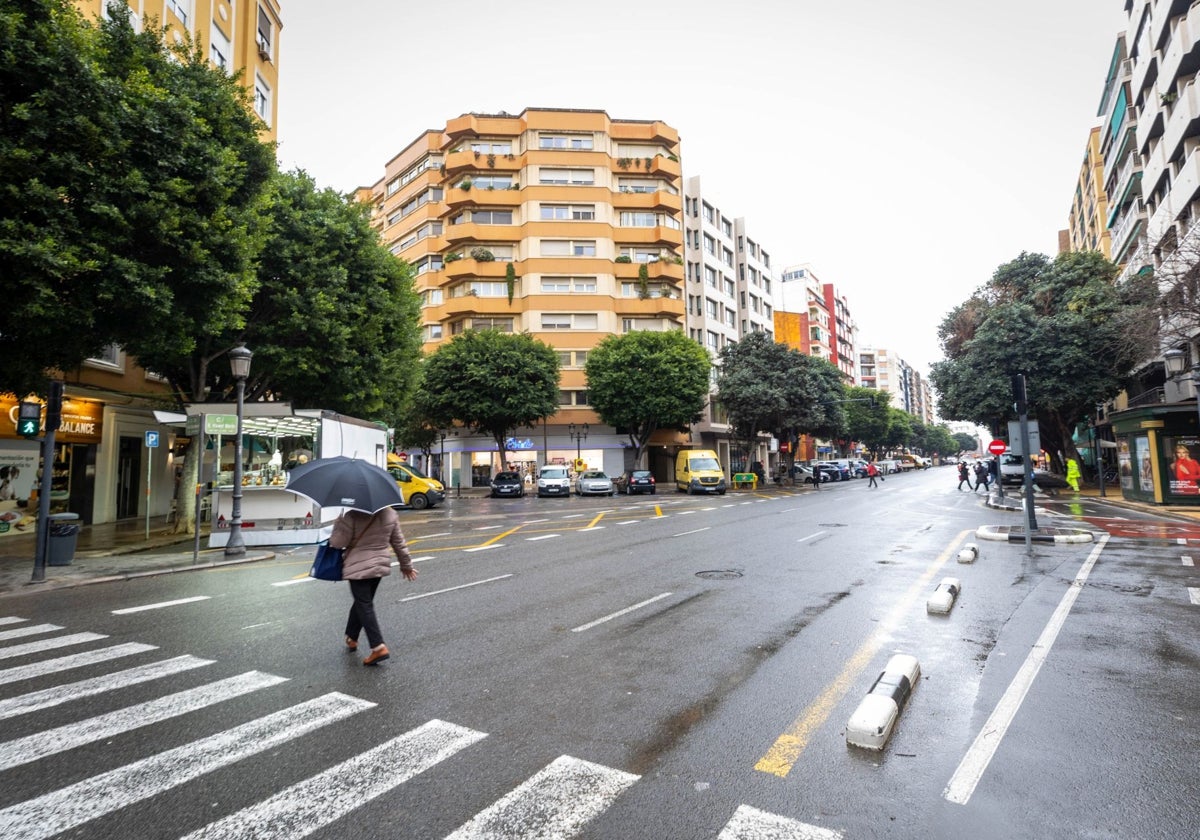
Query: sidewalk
(113, 551)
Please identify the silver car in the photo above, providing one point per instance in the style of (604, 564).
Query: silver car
(593, 483)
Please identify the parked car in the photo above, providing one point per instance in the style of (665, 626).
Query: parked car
(554, 480)
(837, 471)
(805, 474)
(635, 481)
(859, 467)
(593, 483)
(508, 484)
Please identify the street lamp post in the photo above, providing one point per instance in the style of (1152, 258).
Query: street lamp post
(239, 364)
(578, 434)
(1099, 450)
(1176, 360)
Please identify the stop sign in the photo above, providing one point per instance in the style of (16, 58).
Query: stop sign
(997, 447)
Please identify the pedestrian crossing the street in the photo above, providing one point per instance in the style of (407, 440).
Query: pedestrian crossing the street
(558, 800)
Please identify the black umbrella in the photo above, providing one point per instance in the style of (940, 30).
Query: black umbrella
(345, 482)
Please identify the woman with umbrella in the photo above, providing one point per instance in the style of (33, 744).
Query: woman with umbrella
(368, 532)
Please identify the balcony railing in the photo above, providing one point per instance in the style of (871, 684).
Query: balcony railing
(1151, 397)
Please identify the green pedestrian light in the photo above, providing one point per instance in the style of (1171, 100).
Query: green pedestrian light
(29, 419)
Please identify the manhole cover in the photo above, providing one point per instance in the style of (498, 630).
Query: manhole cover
(719, 574)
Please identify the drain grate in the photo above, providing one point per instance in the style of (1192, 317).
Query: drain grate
(719, 574)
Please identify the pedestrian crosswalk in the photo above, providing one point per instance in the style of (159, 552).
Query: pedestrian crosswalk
(557, 801)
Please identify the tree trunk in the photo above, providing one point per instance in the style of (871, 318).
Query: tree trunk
(185, 492)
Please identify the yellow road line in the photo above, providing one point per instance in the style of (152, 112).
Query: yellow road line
(787, 748)
(599, 516)
(502, 536)
(657, 510)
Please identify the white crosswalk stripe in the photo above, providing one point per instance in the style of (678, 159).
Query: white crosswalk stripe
(76, 804)
(32, 630)
(74, 660)
(11, 619)
(752, 824)
(557, 802)
(306, 807)
(41, 744)
(47, 697)
(49, 644)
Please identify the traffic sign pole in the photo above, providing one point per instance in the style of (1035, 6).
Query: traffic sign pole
(997, 447)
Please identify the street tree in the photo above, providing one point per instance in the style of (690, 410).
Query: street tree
(130, 179)
(964, 442)
(900, 429)
(1058, 321)
(644, 381)
(867, 419)
(490, 382)
(768, 387)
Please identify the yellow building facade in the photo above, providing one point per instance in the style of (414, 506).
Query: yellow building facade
(234, 36)
(577, 204)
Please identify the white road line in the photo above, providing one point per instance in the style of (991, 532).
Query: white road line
(75, 660)
(174, 603)
(811, 536)
(555, 803)
(431, 536)
(35, 701)
(12, 619)
(32, 630)
(293, 581)
(630, 522)
(619, 613)
(483, 548)
(542, 537)
(74, 805)
(454, 588)
(695, 531)
(975, 762)
(1181, 540)
(316, 802)
(593, 528)
(752, 824)
(1194, 594)
(535, 521)
(685, 513)
(1187, 561)
(573, 516)
(487, 528)
(41, 744)
(49, 644)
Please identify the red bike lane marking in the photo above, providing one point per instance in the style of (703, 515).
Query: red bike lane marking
(1146, 530)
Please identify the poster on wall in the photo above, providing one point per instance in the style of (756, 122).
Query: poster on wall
(18, 477)
(1141, 448)
(1124, 464)
(1183, 470)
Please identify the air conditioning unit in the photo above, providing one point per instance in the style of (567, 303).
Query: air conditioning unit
(264, 49)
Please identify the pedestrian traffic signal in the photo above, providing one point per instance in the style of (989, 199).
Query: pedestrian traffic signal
(29, 419)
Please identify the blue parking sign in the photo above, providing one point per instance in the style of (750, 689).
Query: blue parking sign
(151, 439)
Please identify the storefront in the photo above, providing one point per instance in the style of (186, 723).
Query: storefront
(1158, 454)
(73, 472)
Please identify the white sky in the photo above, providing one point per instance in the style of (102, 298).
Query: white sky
(904, 149)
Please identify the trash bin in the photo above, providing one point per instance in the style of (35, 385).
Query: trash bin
(64, 532)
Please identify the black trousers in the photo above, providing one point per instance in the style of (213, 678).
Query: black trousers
(362, 611)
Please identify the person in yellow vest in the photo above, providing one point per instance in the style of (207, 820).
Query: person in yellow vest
(1073, 474)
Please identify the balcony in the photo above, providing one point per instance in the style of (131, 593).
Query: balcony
(651, 307)
(1124, 233)
(468, 232)
(1180, 122)
(645, 132)
(1150, 122)
(469, 126)
(467, 268)
(467, 161)
(1182, 55)
(457, 197)
(659, 200)
(1186, 186)
(657, 235)
(473, 305)
(657, 271)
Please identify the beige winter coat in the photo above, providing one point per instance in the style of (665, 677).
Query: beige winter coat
(374, 538)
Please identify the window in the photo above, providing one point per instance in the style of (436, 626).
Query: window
(220, 48)
(634, 219)
(492, 217)
(568, 247)
(712, 340)
(726, 227)
(573, 398)
(729, 287)
(727, 257)
(646, 324)
(433, 297)
(265, 33)
(730, 318)
(568, 285)
(578, 142)
(497, 324)
(489, 182)
(420, 200)
(480, 288)
(710, 245)
(409, 175)
(110, 356)
(710, 308)
(180, 8)
(433, 332)
(393, 186)
(568, 212)
(709, 214)
(566, 176)
(710, 276)
(572, 358)
(492, 147)
(433, 262)
(645, 185)
(569, 321)
(262, 98)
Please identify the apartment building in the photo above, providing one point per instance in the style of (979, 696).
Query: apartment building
(886, 370)
(828, 329)
(1087, 221)
(730, 294)
(234, 36)
(580, 205)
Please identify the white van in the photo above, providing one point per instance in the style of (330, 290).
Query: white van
(554, 480)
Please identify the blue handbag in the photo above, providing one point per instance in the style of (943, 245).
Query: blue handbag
(327, 565)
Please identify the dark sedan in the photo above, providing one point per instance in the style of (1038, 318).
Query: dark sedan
(635, 481)
(508, 484)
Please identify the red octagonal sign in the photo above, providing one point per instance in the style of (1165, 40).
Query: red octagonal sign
(997, 447)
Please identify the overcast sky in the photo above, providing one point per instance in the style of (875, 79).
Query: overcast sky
(904, 149)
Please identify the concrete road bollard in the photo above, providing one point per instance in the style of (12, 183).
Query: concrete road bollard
(944, 596)
(872, 723)
(969, 553)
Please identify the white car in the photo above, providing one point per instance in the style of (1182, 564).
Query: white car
(553, 481)
(593, 483)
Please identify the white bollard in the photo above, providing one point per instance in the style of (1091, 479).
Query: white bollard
(969, 553)
(871, 725)
(943, 597)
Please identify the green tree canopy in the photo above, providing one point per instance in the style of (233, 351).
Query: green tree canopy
(644, 381)
(965, 442)
(1059, 322)
(130, 180)
(491, 382)
(770, 387)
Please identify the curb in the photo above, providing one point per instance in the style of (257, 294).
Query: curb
(72, 583)
(1016, 533)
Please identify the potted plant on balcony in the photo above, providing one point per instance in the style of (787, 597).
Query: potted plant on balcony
(510, 280)
(643, 281)
(482, 255)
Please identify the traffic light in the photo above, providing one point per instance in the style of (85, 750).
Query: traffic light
(29, 419)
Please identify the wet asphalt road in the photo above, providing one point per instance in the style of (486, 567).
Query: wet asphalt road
(702, 655)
